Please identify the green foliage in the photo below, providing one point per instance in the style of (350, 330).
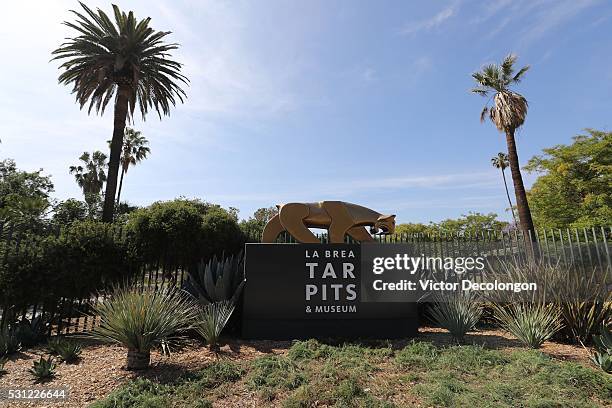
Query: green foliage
(216, 280)
(67, 350)
(211, 321)
(531, 323)
(183, 232)
(457, 312)
(473, 222)
(24, 196)
(271, 374)
(68, 211)
(573, 189)
(254, 226)
(32, 331)
(417, 354)
(603, 346)
(186, 392)
(143, 318)
(9, 341)
(85, 257)
(43, 369)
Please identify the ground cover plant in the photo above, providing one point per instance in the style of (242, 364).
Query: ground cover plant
(311, 373)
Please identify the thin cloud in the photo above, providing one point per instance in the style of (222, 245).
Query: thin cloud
(430, 23)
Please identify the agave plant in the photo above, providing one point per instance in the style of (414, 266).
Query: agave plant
(216, 280)
(531, 323)
(457, 312)
(43, 369)
(67, 350)
(212, 319)
(32, 331)
(9, 340)
(603, 346)
(144, 318)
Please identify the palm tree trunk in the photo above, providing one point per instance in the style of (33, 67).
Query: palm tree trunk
(121, 184)
(526, 223)
(121, 110)
(505, 185)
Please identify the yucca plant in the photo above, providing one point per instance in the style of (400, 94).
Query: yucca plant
(212, 319)
(531, 323)
(457, 312)
(67, 350)
(43, 369)
(603, 349)
(217, 280)
(144, 318)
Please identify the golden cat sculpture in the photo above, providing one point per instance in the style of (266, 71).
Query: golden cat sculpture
(338, 217)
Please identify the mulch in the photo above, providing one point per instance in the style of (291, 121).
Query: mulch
(101, 368)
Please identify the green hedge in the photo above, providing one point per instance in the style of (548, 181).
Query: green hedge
(83, 258)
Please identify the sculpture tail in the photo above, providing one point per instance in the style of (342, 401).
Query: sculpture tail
(272, 230)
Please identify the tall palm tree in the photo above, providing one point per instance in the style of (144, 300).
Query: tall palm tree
(500, 161)
(508, 114)
(134, 150)
(90, 176)
(126, 61)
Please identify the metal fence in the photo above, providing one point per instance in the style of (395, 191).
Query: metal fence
(579, 248)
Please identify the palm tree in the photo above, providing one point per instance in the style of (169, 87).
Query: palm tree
(90, 177)
(134, 150)
(500, 161)
(508, 114)
(126, 61)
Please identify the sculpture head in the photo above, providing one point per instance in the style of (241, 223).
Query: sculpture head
(384, 225)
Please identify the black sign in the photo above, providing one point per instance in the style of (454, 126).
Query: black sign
(317, 290)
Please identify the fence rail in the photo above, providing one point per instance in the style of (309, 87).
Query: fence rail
(579, 248)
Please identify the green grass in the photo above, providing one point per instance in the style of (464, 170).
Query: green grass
(353, 375)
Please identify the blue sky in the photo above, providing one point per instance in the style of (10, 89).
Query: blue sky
(360, 101)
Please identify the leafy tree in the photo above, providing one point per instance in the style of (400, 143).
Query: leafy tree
(500, 161)
(415, 229)
(24, 196)
(573, 189)
(254, 226)
(91, 177)
(472, 222)
(508, 113)
(134, 150)
(70, 210)
(127, 62)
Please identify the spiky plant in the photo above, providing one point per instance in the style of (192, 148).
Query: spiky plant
(508, 113)
(3, 361)
(603, 349)
(212, 319)
(125, 61)
(9, 340)
(531, 323)
(217, 280)
(457, 312)
(43, 369)
(67, 350)
(143, 318)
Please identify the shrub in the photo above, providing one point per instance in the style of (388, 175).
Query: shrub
(3, 361)
(457, 312)
(143, 318)
(216, 280)
(31, 332)
(183, 232)
(603, 346)
(67, 350)
(211, 321)
(43, 369)
(531, 323)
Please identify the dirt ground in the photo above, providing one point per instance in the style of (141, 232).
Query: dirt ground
(101, 367)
